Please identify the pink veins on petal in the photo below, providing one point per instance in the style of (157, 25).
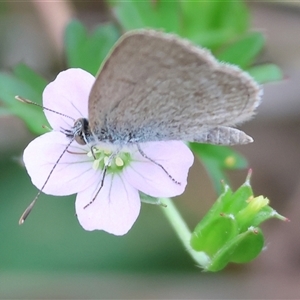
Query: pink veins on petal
(115, 207)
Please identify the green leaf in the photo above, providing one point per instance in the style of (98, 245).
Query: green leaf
(88, 51)
(155, 14)
(196, 16)
(266, 73)
(208, 24)
(212, 38)
(74, 39)
(240, 16)
(216, 159)
(244, 51)
(22, 83)
(127, 14)
(229, 14)
(29, 76)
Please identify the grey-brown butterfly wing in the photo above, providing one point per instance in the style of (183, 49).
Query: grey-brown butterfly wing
(156, 86)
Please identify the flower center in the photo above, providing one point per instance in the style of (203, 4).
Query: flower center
(104, 157)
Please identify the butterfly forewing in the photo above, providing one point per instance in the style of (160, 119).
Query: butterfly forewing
(156, 86)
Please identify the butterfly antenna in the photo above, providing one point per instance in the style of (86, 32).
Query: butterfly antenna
(24, 100)
(31, 205)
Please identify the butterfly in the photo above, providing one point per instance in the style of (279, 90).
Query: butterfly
(155, 86)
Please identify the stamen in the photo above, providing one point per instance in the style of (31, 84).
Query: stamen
(119, 161)
(107, 160)
(96, 164)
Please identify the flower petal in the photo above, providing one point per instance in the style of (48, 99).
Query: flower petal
(68, 94)
(150, 178)
(115, 208)
(72, 173)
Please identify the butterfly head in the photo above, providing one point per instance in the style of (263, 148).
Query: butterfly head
(81, 131)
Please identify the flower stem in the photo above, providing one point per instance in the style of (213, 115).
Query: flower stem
(182, 231)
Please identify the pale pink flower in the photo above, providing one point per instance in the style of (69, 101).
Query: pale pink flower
(117, 205)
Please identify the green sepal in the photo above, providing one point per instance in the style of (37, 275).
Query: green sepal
(211, 237)
(239, 198)
(242, 248)
(248, 246)
(229, 232)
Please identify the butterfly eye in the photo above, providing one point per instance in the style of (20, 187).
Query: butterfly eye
(81, 131)
(80, 139)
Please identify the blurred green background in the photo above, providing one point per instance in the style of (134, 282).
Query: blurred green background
(52, 257)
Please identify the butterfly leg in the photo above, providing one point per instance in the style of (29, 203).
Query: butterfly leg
(92, 151)
(107, 164)
(99, 189)
(159, 165)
